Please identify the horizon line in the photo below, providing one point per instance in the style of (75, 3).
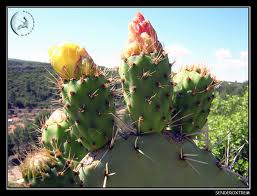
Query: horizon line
(106, 67)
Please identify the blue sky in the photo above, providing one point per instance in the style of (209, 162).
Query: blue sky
(214, 37)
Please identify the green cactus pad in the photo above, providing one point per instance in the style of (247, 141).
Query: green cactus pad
(90, 107)
(192, 97)
(42, 169)
(57, 136)
(147, 90)
(154, 161)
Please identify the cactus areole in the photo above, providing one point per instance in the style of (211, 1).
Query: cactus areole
(144, 73)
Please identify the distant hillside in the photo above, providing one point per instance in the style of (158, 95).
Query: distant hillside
(232, 88)
(29, 86)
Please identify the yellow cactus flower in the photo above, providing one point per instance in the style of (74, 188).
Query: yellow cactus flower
(67, 59)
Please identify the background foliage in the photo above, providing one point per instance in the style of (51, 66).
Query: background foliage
(228, 131)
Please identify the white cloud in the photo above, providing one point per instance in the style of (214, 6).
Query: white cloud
(223, 53)
(230, 67)
(177, 51)
(225, 59)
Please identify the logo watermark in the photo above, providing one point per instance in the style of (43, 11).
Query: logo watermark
(22, 23)
(232, 192)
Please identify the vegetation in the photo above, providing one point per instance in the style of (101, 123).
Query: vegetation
(228, 131)
(28, 86)
(23, 139)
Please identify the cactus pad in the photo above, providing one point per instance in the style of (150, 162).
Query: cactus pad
(192, 97)
(154, 161)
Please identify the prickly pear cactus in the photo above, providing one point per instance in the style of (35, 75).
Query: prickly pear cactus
(192, 97)
(145, 72)
(87, 98)
(42, 169)
(58, 137)
(155, 160)
(84, 127)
